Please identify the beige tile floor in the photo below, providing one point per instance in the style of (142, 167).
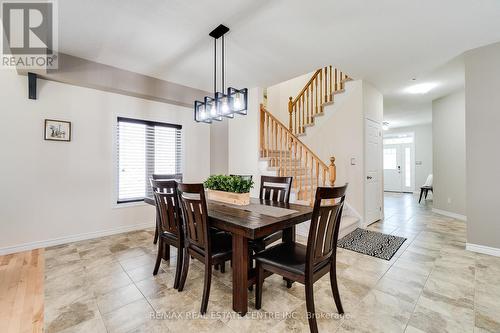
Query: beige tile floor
(431, 285)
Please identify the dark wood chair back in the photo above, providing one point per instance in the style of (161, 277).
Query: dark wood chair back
(275, 188)
(325, 226)
(195, 213)
(167, 205)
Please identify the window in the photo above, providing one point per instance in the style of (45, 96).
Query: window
(144, 148)
(407, 167)
(390, 159)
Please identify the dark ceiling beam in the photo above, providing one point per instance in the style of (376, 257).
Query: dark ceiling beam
(85, 73)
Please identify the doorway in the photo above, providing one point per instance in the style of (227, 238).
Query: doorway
(399, 163)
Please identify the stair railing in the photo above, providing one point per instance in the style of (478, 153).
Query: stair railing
(291, 157)
(320, 89)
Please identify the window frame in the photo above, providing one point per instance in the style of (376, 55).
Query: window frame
(151, 123)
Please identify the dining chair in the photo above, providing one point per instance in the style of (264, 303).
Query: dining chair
(307, 264)
(276, 189)
(211, 248)
(424, 189)
(156, 176)
(170, 223)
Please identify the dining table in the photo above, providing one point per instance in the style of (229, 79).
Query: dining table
(249, 222)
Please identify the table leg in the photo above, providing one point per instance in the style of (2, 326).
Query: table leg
(240, 274)
(288, 235)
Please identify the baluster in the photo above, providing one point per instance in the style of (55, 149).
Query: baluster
(316, 96)
(299, 179)
(262, 115)
(341, 80)
(303, 115)
(307, 107)
(311, 195)
(326, 87)
(331, 84)
(311, 104)
(305, 176)
(336, 80)
(276, 141)
(290, 171)
(324, 177)
(266, 135)
(290, 111)
(281, 149)
(321, 87)
(317, 173)
(295, 115)
(295, 159)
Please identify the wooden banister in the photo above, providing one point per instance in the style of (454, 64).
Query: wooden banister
(320, 89)
(291, 157)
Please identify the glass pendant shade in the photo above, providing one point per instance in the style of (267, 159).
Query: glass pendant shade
(238, 100)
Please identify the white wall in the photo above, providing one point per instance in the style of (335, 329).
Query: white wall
(219, 147)
(244, 139)
(279, 94)
(55, 190)
(448, 135)
(340, 133)
(482, 115)
(423, 150)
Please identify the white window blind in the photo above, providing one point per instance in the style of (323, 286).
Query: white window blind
(144, 148)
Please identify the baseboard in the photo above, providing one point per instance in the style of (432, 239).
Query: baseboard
(75, 238)
(449, 214)
(492, 251)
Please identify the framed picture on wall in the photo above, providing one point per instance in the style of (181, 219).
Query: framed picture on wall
(57, 130)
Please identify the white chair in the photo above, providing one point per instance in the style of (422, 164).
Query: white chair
(426, 187)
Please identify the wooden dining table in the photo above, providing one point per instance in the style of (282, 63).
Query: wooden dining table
(260, 218)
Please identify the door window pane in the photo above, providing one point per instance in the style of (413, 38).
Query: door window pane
(407, 167)
(390, 159)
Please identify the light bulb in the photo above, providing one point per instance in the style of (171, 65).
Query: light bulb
(213, 110)
(225, 107)
(237, 101)
(201, 112)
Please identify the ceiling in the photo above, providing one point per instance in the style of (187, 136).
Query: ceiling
(403, 109)
(385, 42)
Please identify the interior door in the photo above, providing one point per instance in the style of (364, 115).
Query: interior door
(373, 172)
(392, 168)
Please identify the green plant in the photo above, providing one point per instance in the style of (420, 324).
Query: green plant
(225, 183)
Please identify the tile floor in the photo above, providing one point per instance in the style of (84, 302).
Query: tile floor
(431, 285)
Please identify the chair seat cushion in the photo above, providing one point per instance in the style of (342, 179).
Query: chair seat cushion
(221, 244)
(287, 256)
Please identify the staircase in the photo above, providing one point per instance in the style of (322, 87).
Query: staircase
(286, 155)
(320, 91)
(280, 145)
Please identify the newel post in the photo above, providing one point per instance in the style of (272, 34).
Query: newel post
(290, 111)
(333, 171)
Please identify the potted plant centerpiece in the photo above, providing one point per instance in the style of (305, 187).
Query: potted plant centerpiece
(229, 189)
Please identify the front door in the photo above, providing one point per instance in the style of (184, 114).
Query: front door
(392, 168)
(399, 166)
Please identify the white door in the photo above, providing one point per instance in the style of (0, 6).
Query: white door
(392, 168)
(373, 171)
(399, 168)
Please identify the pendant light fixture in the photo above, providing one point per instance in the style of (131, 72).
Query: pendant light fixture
(224, 103)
